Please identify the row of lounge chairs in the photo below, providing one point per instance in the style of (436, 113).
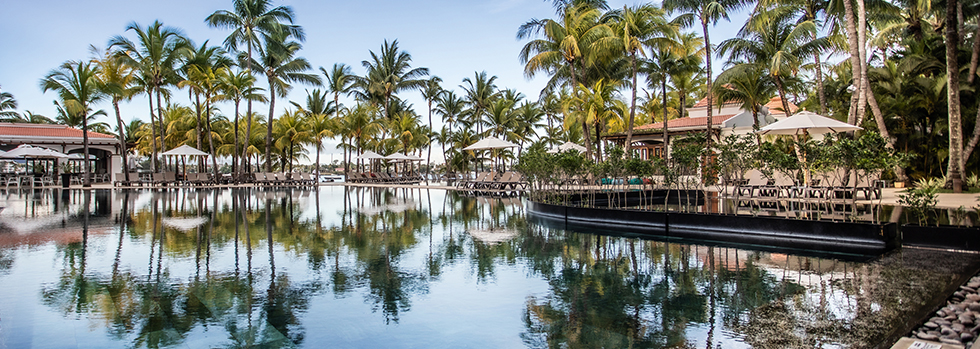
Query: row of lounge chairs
(381, 177)
(829, 185)
(170, 178)
(485, 181)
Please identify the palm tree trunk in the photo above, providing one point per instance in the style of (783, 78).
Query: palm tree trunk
(163, 145)
(629, 128)
(214, 156)
(707, 61)
(782, 96)
(953, 99)
(862, 57)
(663, 92)
(87, 182)
(122, 139)
(234, 153)
(852, 41)
(975, 57)
(971, 144)
(821, 96)
(153, 135)
(268, 134)
(248, 138)
(585, 126)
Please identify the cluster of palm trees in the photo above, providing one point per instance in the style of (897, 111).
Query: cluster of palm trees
(897, 51)
(596, 59)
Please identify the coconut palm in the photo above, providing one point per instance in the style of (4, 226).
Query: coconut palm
(706, 12)
(317, 113)
(340, 79)
(250, 20)
(77, 86)
(450, 107)
(236, 87)
(956, 162)
(155, 57)
(387, 74)
(28, 117)
(431, 91)
(7, 106)
(206, 81)
(292, 132)
(480, 92)
(202, 59)
(116, 80)
(772, 43)
(748, 85)
(358, 125)
(638, 27)
(281, 66)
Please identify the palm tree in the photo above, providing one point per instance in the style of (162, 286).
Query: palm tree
(281, 66)
(595, 105)
(29, 117)
(639, 26)
(156, 55)
(291, 130)
(706, 12)
(359, 124)
(77, 86)
(748, 85)
(340, 79)
(317, 117)
(387, 74)
(238, 86)
(956, 161)
(117, 81)
(251, 19)
(7, 106)
(772, 43)
(563, 46)
(200, 60)
(450, 108)
(431, 92)
(480, 92)
(206, 81)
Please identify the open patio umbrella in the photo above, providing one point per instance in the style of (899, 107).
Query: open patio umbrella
(30, 152)
(184, 151)
(370, 155)
(567, 146)
(806, 122)
(490, 143)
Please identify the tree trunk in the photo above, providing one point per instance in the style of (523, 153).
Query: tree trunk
(862, 52)
(821, 96)
(975, 57)
(248, 137)
(707, 61)
(663, 86)
(268, 133)
(153, 135)
(214, 156)
(122, 139)
(971, 144)
(883, 131)
(585, 126)
(953, 99)
(87, 181)
(782, 96)
(234, 153)
(629, 127)
(163, 144)
(852, 42)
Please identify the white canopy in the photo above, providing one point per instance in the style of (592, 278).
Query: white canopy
(184, 150)
(809, 122)
(567, 146)
(403, 157)
(30, 151)
(77, 156)
(490, 143)
(369, 155)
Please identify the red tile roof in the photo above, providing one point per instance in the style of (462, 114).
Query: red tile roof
(47, 131)
(774, 104)
(686, 122)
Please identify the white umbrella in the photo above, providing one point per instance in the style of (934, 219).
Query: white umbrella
(77, 156)
(30, 151)
(184, 150)
(567, 146)
(369, 155)
(490, 143)
(403, 157)
(808, 122)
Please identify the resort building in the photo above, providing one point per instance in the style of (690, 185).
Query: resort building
(730, 118)
(104, 149)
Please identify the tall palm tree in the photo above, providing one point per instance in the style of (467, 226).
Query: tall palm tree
(431, 92)
(563, 47)
(480, 92)
(748, 85)
(291, 131)
(387, 74)
(450, 108)
(707, 12)
(8, 105)
(206, 81)
(340, 79)
(77, 86)
(956, 161)
(640, 26)
(202, 59)
(317, 113)
(236, 87)
(281, 66)
(116, 80)
(155, 57)
(773, 43)
(250, 20)
(28, 117)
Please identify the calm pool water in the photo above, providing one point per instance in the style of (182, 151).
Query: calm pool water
(407, 268)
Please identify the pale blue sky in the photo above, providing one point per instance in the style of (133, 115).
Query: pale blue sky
(451, 38)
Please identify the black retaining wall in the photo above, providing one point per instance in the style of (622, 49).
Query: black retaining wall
(830, 236)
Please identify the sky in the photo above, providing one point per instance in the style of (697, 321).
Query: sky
(453, 38)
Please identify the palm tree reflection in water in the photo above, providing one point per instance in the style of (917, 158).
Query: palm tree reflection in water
(385, 250)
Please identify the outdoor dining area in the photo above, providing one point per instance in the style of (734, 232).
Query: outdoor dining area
(402, 165)
(33, 166)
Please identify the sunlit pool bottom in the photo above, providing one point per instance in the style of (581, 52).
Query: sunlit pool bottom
(345, 267)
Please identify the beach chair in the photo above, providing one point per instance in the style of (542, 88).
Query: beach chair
(756, 180)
